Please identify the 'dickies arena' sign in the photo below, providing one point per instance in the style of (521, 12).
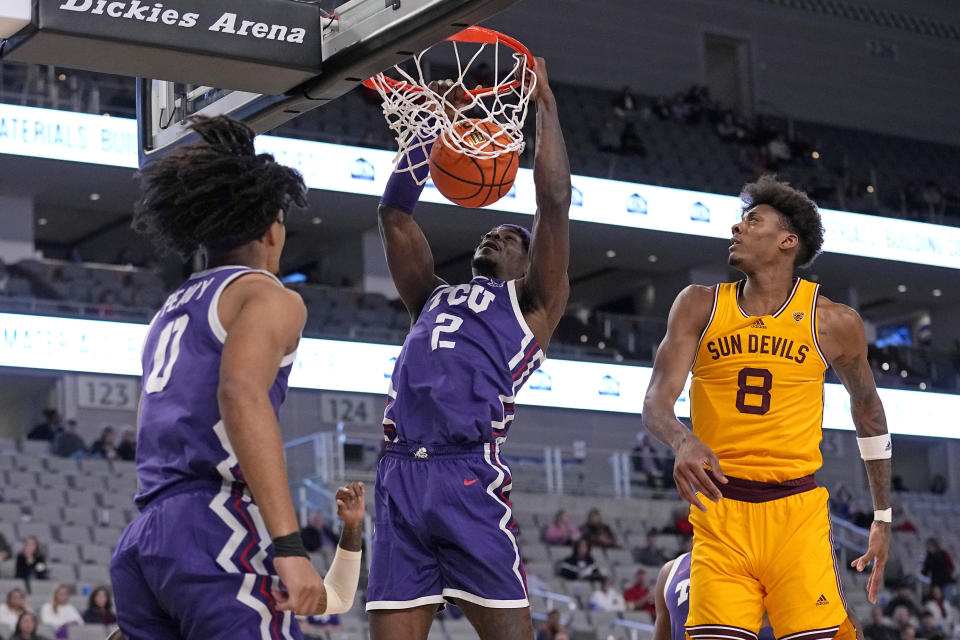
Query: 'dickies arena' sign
(261, 46)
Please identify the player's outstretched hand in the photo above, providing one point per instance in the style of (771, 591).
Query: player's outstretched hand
(304, 593)
(542, 90)
(690, 474)
(877, 549)
(350, 504)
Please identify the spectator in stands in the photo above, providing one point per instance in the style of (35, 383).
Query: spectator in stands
(928, 628)
(68, 444)
(562, 532)
(107, 302)
(778, 151)
(608, 137)
(650, 555)
(30, 561)
(638, 595)
(908, 632)
(904, 599)
(318, 534)
(932, 197)
(944, 613)
(646, 462)
(580, 565)
(5, 552)
(661, 108)
(880, 627)
(901, 521)
(841, 501)
(11, 610)
(60, 613)
(597, 532)
(608, 598)
(938, 484)
(100, 607)
(625, 105)
(127, 449)
(27, 628)
(938, 565)
(552, 628)
(104, 447)
(630, 142)
(731, 128)
(894, 576)
(681, 523)
(46, 430)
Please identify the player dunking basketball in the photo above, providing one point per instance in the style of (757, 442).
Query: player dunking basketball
(444, 525)
(759, 349)
(198, 562)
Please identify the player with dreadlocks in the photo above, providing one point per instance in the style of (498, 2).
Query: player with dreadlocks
(198, 562)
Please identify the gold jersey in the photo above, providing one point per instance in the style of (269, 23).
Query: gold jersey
(757, 392)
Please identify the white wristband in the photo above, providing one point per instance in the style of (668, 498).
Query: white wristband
(883, 515)
(875, 447)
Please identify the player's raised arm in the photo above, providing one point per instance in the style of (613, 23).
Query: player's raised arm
(688, 319)
(263, 322)
(845, 344)
(546, 285)
(408, 253)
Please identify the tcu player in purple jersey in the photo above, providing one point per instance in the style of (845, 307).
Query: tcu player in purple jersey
(672, 602)
(444, 525)
(216, 550)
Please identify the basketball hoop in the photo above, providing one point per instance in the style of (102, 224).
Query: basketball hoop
(417, 114)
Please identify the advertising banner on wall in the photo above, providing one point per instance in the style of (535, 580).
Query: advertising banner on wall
(102, 347)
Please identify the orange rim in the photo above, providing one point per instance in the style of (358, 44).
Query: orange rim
(475, 34)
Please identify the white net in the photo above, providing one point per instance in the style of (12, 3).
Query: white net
(418, 114)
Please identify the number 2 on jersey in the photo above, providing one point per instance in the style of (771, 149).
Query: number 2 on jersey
(446, 323)
(746, 389)
(163, 365)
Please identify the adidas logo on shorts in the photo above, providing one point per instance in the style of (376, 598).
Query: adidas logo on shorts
(822, 600)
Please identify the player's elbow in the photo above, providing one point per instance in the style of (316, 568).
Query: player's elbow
(235, 395)
(654, 404)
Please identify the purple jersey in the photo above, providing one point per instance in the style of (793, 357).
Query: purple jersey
(676, 592)
(461, 366)
(181, 436)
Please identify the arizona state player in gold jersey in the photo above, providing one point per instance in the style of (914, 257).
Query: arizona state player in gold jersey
(759, 349)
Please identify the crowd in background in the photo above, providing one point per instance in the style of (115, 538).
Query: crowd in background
(65, 442)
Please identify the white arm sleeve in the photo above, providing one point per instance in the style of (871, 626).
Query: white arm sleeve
(341, 580)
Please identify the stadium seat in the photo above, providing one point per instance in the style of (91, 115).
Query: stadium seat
(10, 512)
(107, 536)
(46, 512)
(82, 516)
(41, 530)
(89, 632)
(96, 554)
(75, 534)
(48, 497)
(93, 575)
(62, 573)
(63, 552)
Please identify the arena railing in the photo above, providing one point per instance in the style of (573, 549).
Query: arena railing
(337, 453)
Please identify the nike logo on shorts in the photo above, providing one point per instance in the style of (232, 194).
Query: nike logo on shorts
(467, 483)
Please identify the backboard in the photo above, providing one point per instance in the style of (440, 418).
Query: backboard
(358, 39)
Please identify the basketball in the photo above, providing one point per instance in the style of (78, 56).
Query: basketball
(473, 182)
